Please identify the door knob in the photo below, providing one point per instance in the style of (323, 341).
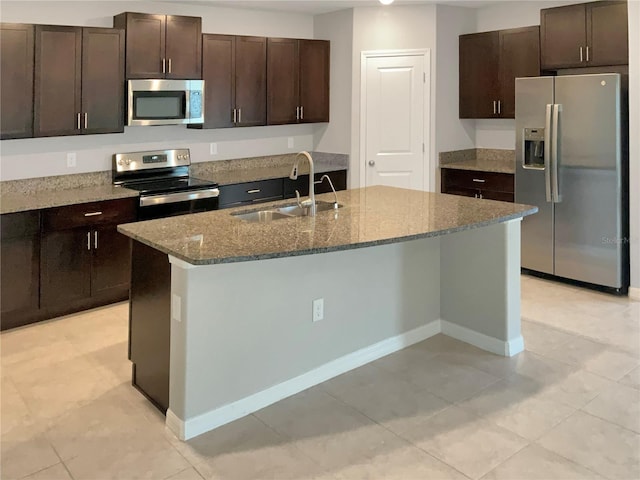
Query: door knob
(372, 163)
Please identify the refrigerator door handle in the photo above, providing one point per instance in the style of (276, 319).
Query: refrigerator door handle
(554, 153)
(547, 152)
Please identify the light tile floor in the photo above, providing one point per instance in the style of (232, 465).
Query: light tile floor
(566, 408)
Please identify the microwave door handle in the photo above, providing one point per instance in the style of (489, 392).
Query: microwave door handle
(547, 152)
(187, 106)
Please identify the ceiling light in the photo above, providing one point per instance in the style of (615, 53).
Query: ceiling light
(386, 2)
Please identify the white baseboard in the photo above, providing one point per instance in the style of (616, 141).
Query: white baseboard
(634, 293)
(491, 344)
(228, 413)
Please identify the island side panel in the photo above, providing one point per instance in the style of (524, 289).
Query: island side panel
(246, 336)
(480, 282)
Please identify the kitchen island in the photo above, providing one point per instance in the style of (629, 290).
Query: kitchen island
(234, 299)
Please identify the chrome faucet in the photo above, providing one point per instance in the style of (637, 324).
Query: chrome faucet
(335, 195)
(310, 203)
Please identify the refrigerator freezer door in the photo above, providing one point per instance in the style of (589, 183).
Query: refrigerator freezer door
(532, 97)
(588, 216)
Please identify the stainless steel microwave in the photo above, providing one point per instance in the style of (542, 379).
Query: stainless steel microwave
(165, 102)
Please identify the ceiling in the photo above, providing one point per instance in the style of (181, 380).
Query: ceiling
(317, 7)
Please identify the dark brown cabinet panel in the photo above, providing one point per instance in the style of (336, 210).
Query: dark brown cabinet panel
(479, 184)
(111, 262)
(489, 64)
(20, 268)
(78, 81)
(183, 47)
(234, 73)
(250, 192)
(297, 81)
(607, 33)
(479, 66)
(102, 80)
(283, 84)
(57, 84)
(159, 46)
(16, 80)
(584, 35)
(314, 80)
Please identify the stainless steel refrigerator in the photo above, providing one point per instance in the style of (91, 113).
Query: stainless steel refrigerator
(571, 163)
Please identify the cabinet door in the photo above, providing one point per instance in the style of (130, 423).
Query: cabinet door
(218, 64)
(282, 80)
(111, 262)
(607, 33)
(251, 80)
(563, 35)
(519, 57)
(314, 80)
(183, 47)
(65, 267)
(20, 267)
(57, 80)
(145, 44)
(479, 63)
(16, 80)
(102, 80)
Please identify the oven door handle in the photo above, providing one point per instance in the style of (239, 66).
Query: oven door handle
(151, 200)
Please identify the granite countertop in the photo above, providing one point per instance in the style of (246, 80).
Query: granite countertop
(234, 176)
(21, 202)
(370, 216)
(480, 160)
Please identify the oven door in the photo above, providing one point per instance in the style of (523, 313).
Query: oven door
(164, 102)
(178, 203)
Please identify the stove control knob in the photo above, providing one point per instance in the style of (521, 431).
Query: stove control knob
(128, 161)
(120, 162)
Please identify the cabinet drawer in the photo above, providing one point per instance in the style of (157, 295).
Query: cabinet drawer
(500, 182)
(21, 224)
(89, 214)
(249, 192)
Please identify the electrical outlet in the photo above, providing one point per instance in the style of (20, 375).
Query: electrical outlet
(71, 160)
(318, 309)
(289, 142)
(213, 148)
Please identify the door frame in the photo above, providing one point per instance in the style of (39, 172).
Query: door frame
(425, 53)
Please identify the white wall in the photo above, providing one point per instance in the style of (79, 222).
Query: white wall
(335, 137)
(634, 140)
(383, 28)
(452, 133)
(47, 156)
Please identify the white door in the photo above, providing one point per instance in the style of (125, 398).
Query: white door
(393, 103)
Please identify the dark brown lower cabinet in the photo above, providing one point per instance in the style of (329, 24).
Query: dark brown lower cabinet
(471, 183)
(20, 268)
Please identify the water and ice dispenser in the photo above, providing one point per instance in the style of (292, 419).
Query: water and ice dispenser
(534, 148)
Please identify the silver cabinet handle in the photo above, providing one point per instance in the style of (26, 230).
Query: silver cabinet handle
(92, 214)
(239, 115)
(164, 65)
(234, 115)
(297, 113)
(86, 120)
(255, 190)
(88, 240)
(301, 112)
(499, 109)
(494, 107)
(95, 239)
(169, 62)
(479, 180)
(480, 195)
(587, 53)
(372, 163)
(581, 60)
(78, 121)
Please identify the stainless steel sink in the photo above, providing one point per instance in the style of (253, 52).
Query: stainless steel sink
(288, 211)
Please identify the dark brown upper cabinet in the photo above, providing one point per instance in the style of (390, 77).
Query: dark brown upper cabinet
(161, 46)
(489, 64)
(234, 73)
(297, 81)
(78, 87)
(584, 35)
(16, 80)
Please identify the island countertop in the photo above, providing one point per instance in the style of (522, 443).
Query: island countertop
(370, 216)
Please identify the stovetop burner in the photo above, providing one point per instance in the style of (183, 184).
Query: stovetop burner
(168, 185)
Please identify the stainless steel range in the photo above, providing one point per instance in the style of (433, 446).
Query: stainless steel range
(163, 180)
